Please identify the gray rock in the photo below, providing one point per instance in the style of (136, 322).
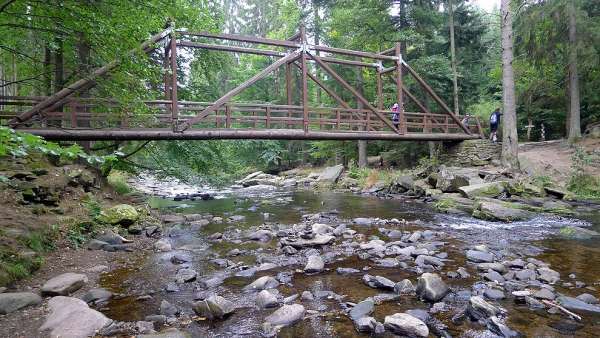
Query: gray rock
(290, 299)
(262, 283)
(286, 315)
(575, 304)
(497, 211)
(71, 317)
(448, 181)
(168, 333)
(493, 276)
(307, 296)
(214, 307)
(168, 309)
(163, 245)
(95, 244)
(10, 302)
(185, 275)
(492, 189)
(498, 267)
(406, 325)
(365, 324)
(517, 263)
(494, 294)
(346, 271)
(378, 282)
(404, 286)
(180, 258)
(96, 295)
(363, 221)
(586, 297)
(331, 174)
(64, 284)
(544, 294)
(318, 240)
(431, 287)
(415, 237)
(111, 238)
(423, 260)
(388, 263)
(361, 309)
(261, 235)
(548, 275)
(315, 264)
(495, 325)
(266, 299)
(158, 319)
(525, 275)
(479, 256)
(478, 308)
(573, 232)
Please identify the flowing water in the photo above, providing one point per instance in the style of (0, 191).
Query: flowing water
(148, 274)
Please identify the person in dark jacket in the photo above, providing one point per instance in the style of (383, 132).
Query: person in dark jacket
(494, 122)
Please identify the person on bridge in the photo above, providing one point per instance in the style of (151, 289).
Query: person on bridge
(395, 115)
(494, 122)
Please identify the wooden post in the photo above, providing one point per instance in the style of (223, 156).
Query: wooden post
(304, 79)
(379, 90)
(174, 103)
(399, 93)
(288, 90)
(268, 120)
(227, 116)
(73, 108)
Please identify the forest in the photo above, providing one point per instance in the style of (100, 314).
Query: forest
(454, 45)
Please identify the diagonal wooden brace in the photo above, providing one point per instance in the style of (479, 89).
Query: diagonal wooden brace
(227, 97)
(354, 92)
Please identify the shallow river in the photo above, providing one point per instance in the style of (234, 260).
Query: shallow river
(148, 274)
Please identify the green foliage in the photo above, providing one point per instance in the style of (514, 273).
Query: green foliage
(581, 183)
(118, 180)
(42, 240)
(542, 181)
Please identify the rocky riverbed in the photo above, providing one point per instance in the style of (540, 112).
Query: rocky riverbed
(268, 259)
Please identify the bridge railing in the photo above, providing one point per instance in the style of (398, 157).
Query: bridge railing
(102, 113)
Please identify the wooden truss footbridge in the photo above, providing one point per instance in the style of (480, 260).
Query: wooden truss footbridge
(69, 115)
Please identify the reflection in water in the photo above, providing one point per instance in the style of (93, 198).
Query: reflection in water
(287, 207)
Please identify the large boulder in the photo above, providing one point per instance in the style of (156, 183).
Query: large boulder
(214, 307)
(286, 315)
(315, 264)
(71, 317)
(266, 299)
(318, 240)
(431, 287)
(262, 283)
(491, 189)
(64, 284)
(448, 181)
(10, 302)
(123, 214)
(406, 325)
(479, 256)
(497, 211)
(362, 309)
(331, 174)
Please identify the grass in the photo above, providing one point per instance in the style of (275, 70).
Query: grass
(585, 186)
(118, 180)
(445, 204)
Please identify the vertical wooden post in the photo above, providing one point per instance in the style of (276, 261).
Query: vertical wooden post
(304, 79)
(166, 68)
(337, 116)
(174, 103)
(379, 90)
(268, 113)
(217, 118)
(73, 108)
(288, 90)
(399, 93)
(227, 116)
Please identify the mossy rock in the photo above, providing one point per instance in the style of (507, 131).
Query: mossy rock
(573, 232)
(123, 214)
(491, 189)
(524, 189)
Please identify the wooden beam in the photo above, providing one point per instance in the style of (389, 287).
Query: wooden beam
(353, 91)
(146, 46)
(174, 104)
(352, 52)
(235, 49)
(303, 58)
(242, 38)
(399, 87)
(225, 98)
(421, 106)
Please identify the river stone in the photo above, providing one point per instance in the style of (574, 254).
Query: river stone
(262, 283)
(123, 214)
(331, 174)
(303, 242)
(544, 294)
(406, 325)
(162, 245)
(479, 256)
(286, 315)
(548, 275)
(577, 305)
(315, 264)
(96, 295)
(214, 307)
(498, 211)
(378, 282)
(573, 232)
(586, 297)
(494, 294)
(363, 221)
(185, 276)
(266, 299)
(431, 287)
(362, 309)
(346, 271)
(517, 263)
(493, 276)
(10, 302)
(478, 308)
(448, 181)
(387, 263)
(365, 324)
(492, 189)
(423, 260)
(168, 333)
(261, 235)
(64, 284)
(495, 325)
(525, 275)
(168, 309)
(72, 317)
(111, 238)
(95, 244)
(498, 267)
(404, 286)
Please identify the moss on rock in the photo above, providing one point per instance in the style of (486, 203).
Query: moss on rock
(123, 214)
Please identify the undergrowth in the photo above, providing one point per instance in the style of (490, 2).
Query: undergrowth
(581, 183)
(118, 180)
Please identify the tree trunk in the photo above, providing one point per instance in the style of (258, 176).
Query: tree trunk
(510, 141)
(453, 56)
(362, 144)
(574, 113)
